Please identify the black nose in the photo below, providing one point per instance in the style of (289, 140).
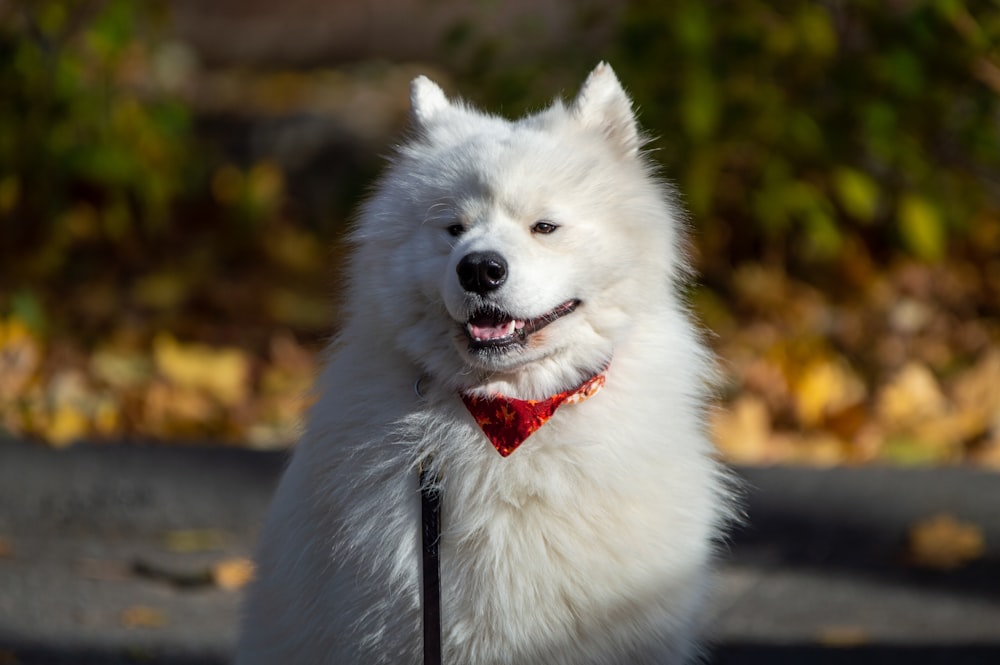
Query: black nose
(482, 272)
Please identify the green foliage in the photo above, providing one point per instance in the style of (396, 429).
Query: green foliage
(100, 151)
(800, 125)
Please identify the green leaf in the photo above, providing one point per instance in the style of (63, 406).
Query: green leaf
(26, 306)
(693, 27)
(700, 106)
(699, 183)
(903, 70)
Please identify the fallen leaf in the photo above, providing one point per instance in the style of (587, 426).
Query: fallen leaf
(194, 540)
(165, 290)
(222, 372)
(143, 616)
(171, 411)
(951, 429)
(66, 424)
(296, 309)
(944, 543)
(909, 316)
(911, 397)
(816, 449)
(843, 636)
(848, 422)
(824, 387)
(20, 356)
(908, 450)
(6, 548)
(106, 416)
(743, 432)
(121, 369)
(978, 388)
(232, 574)
(988, 453)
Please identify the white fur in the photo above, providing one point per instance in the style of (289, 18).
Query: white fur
(592, 542)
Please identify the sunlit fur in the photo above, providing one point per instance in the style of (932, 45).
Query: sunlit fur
(593, 542)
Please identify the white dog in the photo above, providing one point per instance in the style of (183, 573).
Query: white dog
(513, 327)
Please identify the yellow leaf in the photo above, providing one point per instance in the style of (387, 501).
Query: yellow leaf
(66, 424)
(857, 193)
(143, 616)
(265, 185)
(297, 309)
(978, 388)
(232, 574)
(106, 416)
(743, 432)
(988, 452)
(911, 397)
(171, 411)
(823, 387)
(296, 249)
(815, 25)
(843, 636)
(221, 372)
(227, 184)
(817, 449)
(194, 540)
(121, 370)
(10, 193)
(921, 227)
(943, 543)
(164, 290)
(20, 357)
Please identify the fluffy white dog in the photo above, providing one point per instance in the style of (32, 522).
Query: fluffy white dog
(513, 327)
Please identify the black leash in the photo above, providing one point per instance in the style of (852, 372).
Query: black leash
(430, 520)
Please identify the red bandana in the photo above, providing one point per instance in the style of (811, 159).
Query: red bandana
(507, 421)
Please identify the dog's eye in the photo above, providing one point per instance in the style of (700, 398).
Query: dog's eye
(455, 230)
(543, 227)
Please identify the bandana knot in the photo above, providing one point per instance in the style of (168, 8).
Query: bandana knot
(508, 421)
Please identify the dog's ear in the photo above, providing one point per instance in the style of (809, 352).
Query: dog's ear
(603, 105)
(427, 100)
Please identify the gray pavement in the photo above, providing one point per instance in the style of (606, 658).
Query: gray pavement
(819, 574)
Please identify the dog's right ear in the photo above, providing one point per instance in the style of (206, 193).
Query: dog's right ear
(427, 100)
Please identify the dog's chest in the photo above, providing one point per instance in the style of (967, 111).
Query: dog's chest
(541, 547)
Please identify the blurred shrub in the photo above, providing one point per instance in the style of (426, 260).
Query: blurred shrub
(95, 148)
(795, 128)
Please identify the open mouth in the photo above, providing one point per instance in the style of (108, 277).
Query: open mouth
(495, 329)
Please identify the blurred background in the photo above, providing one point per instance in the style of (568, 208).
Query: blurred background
(176, 176)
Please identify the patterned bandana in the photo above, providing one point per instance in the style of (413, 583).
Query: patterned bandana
(507, 421)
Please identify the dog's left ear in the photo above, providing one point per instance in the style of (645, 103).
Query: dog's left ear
(427, 100)
(603, 105)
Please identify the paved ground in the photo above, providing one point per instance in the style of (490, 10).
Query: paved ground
(819, 576)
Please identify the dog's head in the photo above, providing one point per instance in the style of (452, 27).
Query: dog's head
(515, 251)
